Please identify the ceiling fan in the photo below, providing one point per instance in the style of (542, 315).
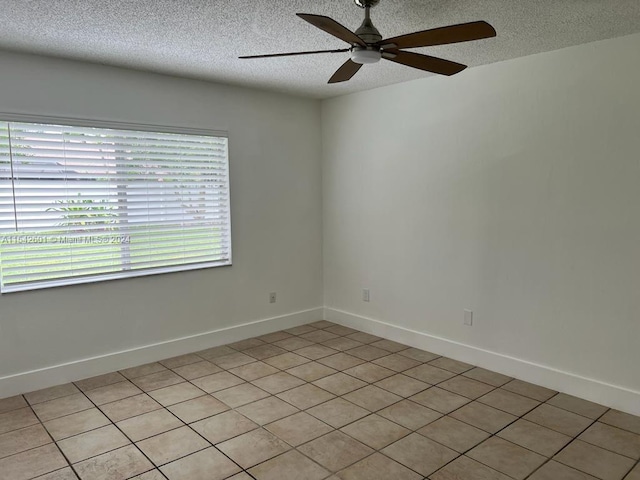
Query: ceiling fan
(367, 45)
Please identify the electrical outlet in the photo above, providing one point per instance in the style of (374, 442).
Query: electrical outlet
(468, 318)
(272, 297)
(365, 295)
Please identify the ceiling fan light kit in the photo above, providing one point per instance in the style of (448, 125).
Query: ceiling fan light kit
(367, 45)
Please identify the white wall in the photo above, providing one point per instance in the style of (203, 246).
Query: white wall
(512, 189)
(276, 215)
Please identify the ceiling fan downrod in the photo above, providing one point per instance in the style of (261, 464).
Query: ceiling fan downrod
(367, 31)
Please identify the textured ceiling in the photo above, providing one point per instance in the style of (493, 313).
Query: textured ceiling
(203, 38)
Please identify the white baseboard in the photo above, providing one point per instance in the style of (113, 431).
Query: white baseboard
(613, 396)
(89, 367)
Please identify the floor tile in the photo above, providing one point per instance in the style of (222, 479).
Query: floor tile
(375, 431)
(322, 324)
(253, 371)
(207, 464)
(339, 383)
(15, 419)
(314, 352)
(181, 361)
(578, 405)
(305, 396)
(363, 337)
(402, 385)
(507, 458)
(278, 382)
(454, 434)
(622, 420)
(368, 353)
(157, 380)
(372, 398)
(409, 414)
(397, 362)
(143, 370)
(171, 445)
(246, 344)
(378, 467)
(116, 465)
(419, 355)
(198, 408)
(614, 439)
(311, 371)
(274, 337)
(217, 381)
(51, 393)
(32, 463)
(12, 403)
(149, 424)
(341, 361)
(390, 345)
(487, 376)
(197, 370)
(241, 476)
(62, 474)
(467, 387)
(76, 423)
(340, 330)
(342, 344)
(535, 437)
(92, 443)
(464, 468)
(298, 429)
(318, 336)
(267, 410)
(24, 439)
(253, 447)
(529, 390)
(232, 360)
(595, 461)
(440, 400)
(99, 381)
(451, 365)
(338, 412)
(129, 407)
(429, 374)
(112, 393)
(264, 351)
(289, 466)
(61, 406)
(240, 395)
(150, 475)
(223, 426)
(420, 454)
(176, 393)
(294, 343)
(509, 402)
(484, 417)
(559, 420)
(286, 360)
(369, 372)
(215, 352)
(301, 330)
(335, 451)
(557, 471)
(634, 474)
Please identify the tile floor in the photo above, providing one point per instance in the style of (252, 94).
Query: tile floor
(320, 401)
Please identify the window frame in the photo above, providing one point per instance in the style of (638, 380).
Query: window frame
(141, 127)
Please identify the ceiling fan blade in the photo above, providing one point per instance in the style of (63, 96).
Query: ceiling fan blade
(291, 54)
(464, 32)
(332, 27)
(345, 72)
(425, 62)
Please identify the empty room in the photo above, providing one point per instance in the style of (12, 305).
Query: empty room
(319, 240)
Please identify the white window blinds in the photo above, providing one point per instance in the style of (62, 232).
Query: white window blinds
(81, 204)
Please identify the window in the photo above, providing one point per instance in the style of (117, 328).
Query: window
(83, 204)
